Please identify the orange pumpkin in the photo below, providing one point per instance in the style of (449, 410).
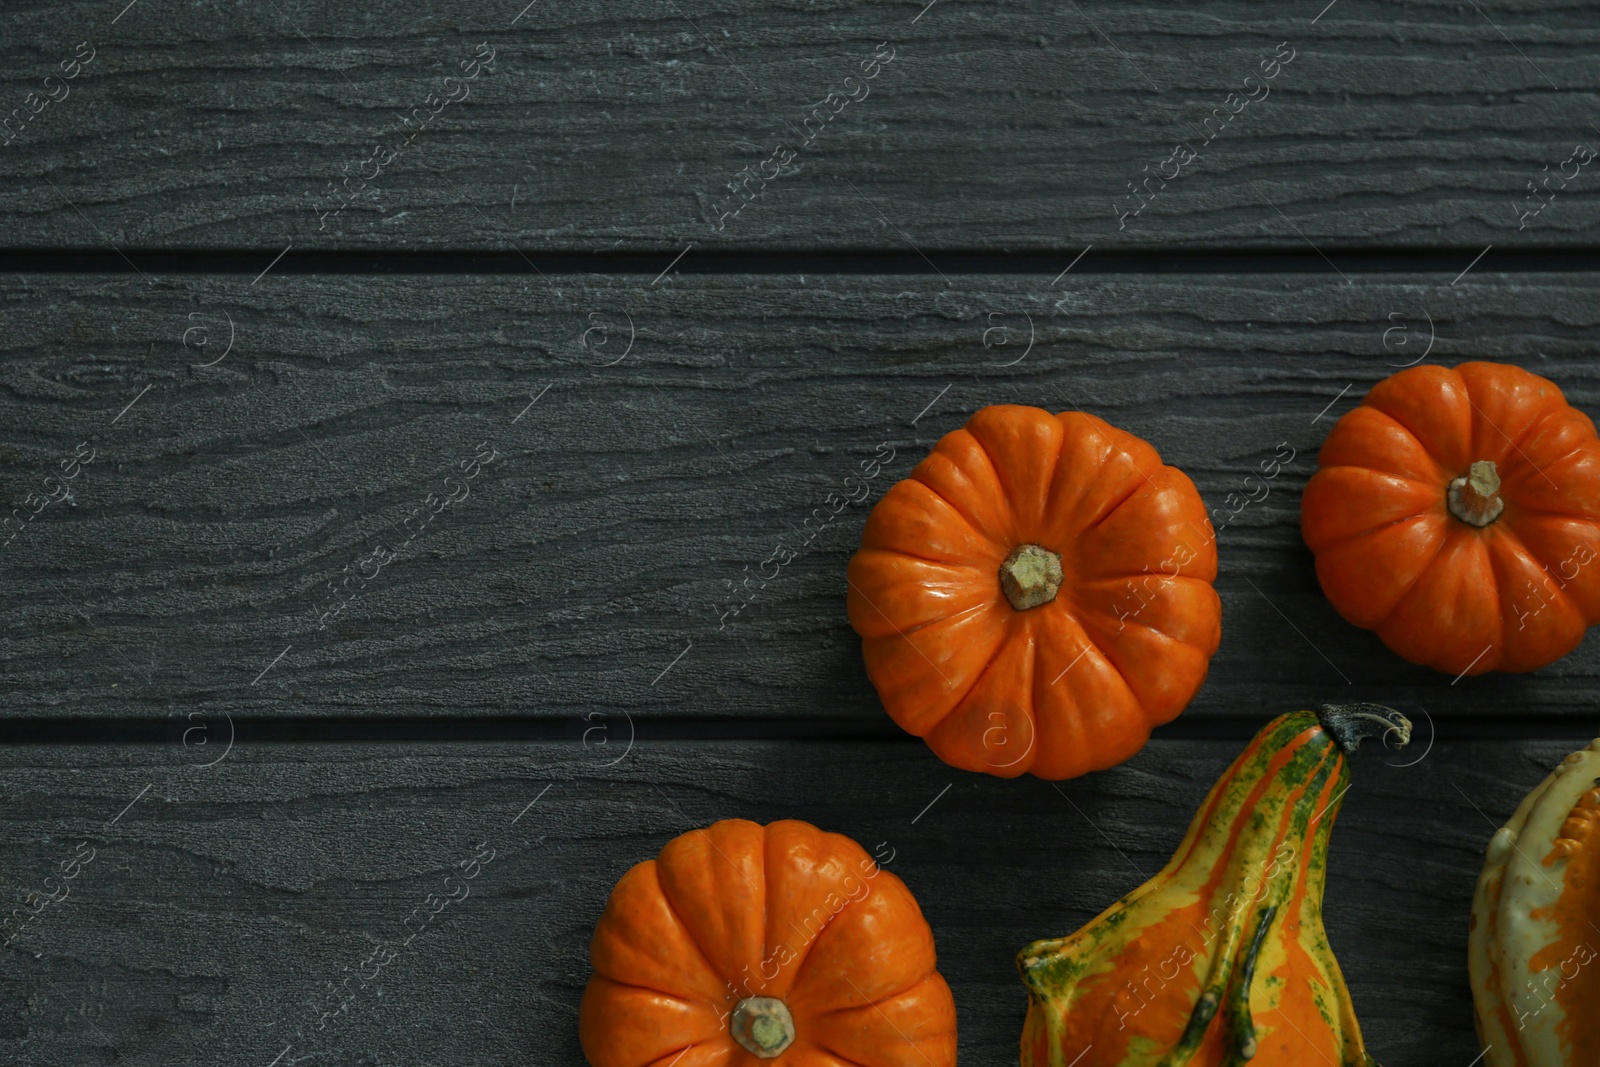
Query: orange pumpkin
(1037, 594)
(741, 944)
(1457, 513)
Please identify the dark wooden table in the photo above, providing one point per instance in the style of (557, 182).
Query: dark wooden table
(659, 274)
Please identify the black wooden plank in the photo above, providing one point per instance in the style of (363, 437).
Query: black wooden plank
(221, 901)
(603, 125)
(592, 564)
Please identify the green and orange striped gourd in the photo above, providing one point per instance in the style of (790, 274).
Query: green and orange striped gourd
(1222, 957)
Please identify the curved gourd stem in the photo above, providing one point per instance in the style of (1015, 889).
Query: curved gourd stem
(1351, 724)
(1241, 1027)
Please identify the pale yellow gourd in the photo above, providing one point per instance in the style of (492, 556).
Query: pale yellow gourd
(1534, 948)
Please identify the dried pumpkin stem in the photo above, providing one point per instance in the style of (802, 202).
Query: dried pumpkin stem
(1030, 576)
(763, 1026)
(1474, 498)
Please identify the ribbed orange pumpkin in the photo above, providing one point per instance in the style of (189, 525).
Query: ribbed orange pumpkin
(1037, 594)
(1457, 513)
(742, 944)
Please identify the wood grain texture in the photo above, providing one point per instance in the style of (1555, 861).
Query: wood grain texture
(224, 901)
(226, 124)
(204, 555)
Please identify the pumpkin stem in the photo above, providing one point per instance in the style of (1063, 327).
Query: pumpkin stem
(763, 1026)
(1030, 576)
(1475, 497)
(1351, 724)
(1240, 1023)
